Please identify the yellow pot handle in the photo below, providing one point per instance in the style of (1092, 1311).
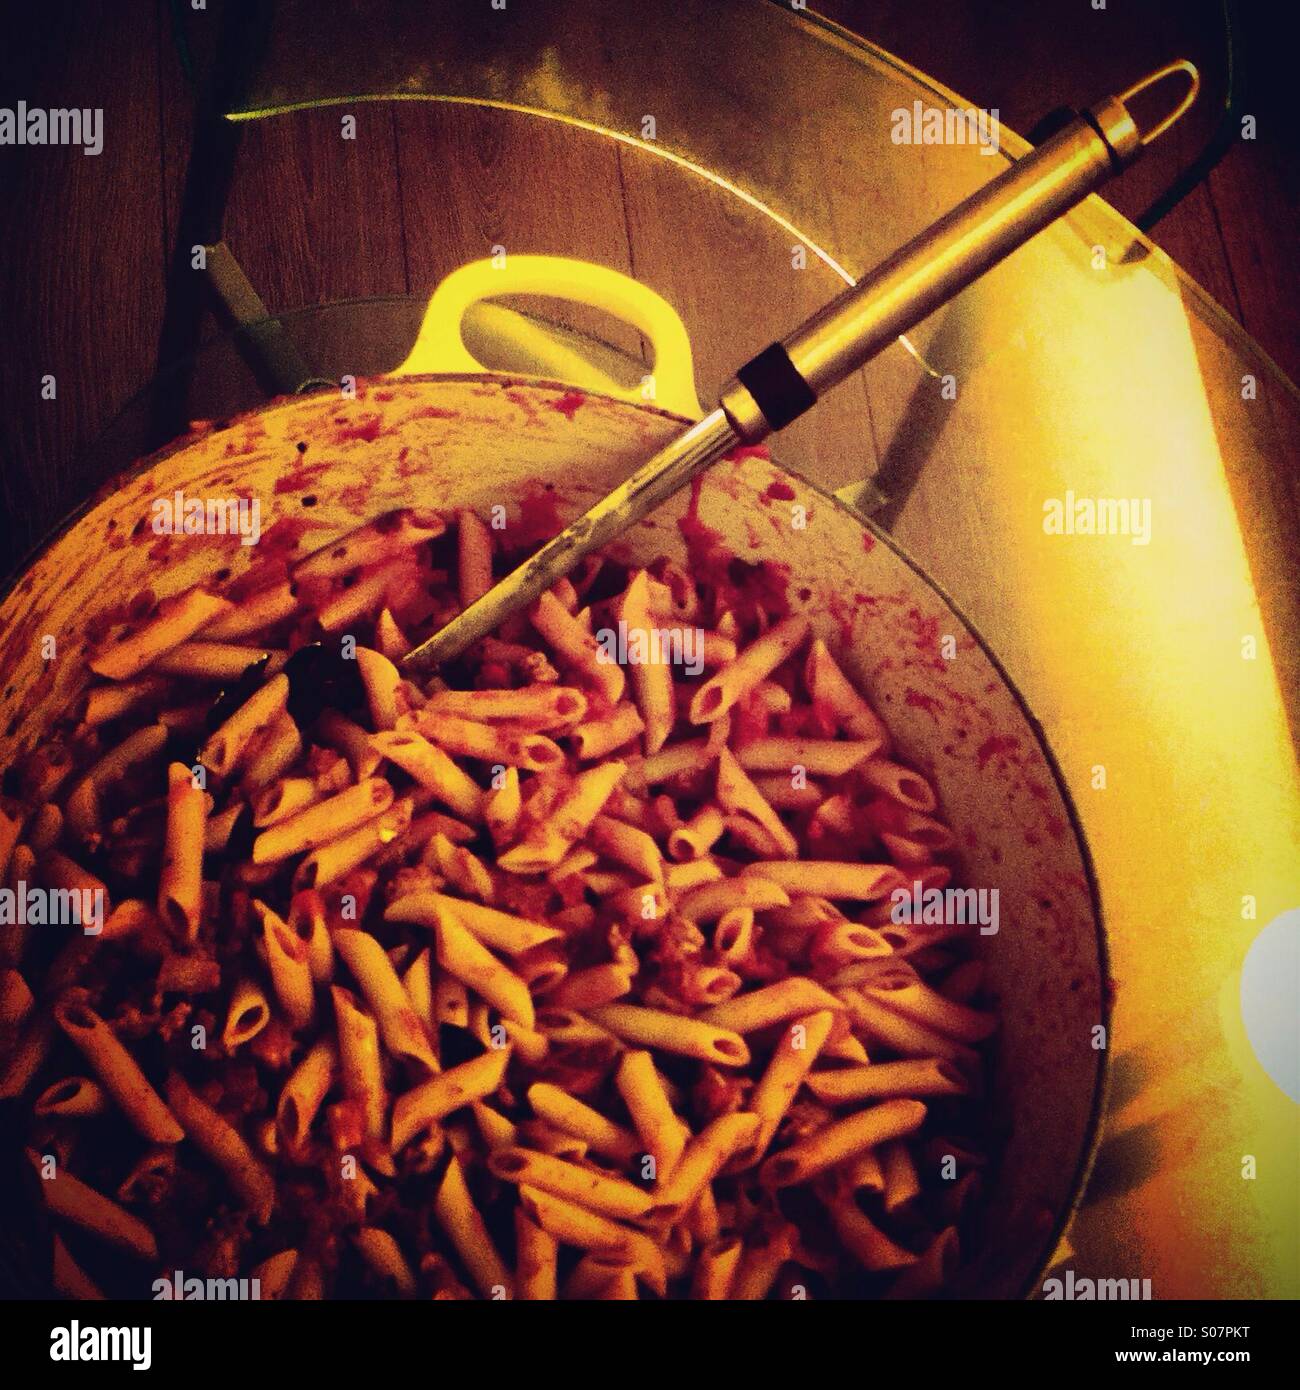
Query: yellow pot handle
(440, 346)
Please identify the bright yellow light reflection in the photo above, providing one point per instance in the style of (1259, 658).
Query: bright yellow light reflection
(1138, 660)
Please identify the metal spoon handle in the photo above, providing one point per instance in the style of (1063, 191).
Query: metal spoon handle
(654, 482)
(787, 378)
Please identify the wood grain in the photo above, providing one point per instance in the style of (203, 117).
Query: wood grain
(86, 241)
(80, 271)
(462, 171)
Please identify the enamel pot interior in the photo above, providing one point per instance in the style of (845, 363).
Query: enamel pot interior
(544, 453)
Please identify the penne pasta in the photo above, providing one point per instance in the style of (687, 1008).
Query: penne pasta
(357, 746)
(220, 1142)
(590, 988)
(908, 788)
(738, 794)
(304, 1092)
(830, 688)
(502, 807)
(181, 882)
(587, 1187)
(105, 703)
(417, 984)
(628, 845)
(823, 757)
(455, 1212)
(660, 1130)
(222, 752)
(119, 1072)
(869, 1245)
(542, 708)
(400, 1028)
(274, 1275)
(573, 1117)
(288, 960)
(575, 1225)
(576, 646)
(733, 937)
(901, 1184)
(490, 743)
(680, 878)
(776, 1003)
(905, 1035)
(792, 1059)
(175, 620)
(905, 994)
(384, 1256)
(536, 1256)
(360, 1065)
(259, 611)
(841, 1140)
(435, 1099)
(246, 1015)
(673, 1033)
(336, 858)
(712, 900)
(70, 1199)
(698, 835)
(74, 1096)
(213, 661)
(81, 812)
(715, 1269)
(760, 1262)
(474, 557)
(550, 840)
(373, 587)
(497, 1131)
(598, 738)
(929, 1076)
(398, 530)
(285, 799)
(604, 1276)
(462, 954)
(757, 661)
(451, 1001)
(830, 879)
(651, 680)
(277, 748)
(323, 822)
(380, 678)
(728, 1138)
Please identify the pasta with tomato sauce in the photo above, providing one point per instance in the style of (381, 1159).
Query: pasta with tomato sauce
(548, 977)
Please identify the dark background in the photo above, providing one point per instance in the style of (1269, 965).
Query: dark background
(85, 243)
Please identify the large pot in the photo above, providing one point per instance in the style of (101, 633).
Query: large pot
(536, 447)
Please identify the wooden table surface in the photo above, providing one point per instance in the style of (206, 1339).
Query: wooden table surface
(85, 242)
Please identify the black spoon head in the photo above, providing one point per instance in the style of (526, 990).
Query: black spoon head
(321, 677)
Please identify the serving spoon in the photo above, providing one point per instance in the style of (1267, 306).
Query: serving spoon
(788, 377)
